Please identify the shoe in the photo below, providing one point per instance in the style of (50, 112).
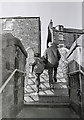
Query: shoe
(51, 86)
(39, 87)
(36, 93)
(55, 79)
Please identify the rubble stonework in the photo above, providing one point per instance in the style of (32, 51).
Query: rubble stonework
(13, 57)
(27, 29)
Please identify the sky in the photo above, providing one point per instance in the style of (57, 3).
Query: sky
(68, 14)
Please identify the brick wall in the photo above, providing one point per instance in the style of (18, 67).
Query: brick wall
(68, 39)
(13, 57)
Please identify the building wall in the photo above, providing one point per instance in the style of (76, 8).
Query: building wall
(27, 29)
(68, 39)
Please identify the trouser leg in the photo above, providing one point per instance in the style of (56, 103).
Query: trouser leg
(55, 74)
(37, 82)
(50, 73)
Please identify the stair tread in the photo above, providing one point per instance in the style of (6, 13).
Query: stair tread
(40, 103)
(51, 95)
(60, 89)
(48, 95)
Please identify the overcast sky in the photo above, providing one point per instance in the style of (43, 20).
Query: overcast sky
(67, 13)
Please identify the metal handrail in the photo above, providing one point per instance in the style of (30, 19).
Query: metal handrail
(82, 72)
(6, 82)
(76, 72)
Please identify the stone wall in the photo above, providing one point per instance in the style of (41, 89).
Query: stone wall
(13, 57)
(28, 30)
(76, 79)
(0, 72)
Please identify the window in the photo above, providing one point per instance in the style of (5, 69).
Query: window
(61, 45)
(60, 36)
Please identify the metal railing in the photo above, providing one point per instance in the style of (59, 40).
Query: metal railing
(6, 82)
(71, 73)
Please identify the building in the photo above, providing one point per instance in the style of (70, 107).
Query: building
(63, 36)
(27, 29)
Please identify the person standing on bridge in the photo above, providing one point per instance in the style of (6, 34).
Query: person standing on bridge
(37, 67)
(52, 56)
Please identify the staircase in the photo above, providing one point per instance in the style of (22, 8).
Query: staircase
(58, 96)
(60, 93)
(49, 103)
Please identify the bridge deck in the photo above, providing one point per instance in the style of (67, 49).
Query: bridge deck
(44, 112)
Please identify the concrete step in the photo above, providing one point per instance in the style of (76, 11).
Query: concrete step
(51, 105)
(46, 112)
(53, 99)
(46, 91)
(60, 85)
(61, 91)
(46, 99)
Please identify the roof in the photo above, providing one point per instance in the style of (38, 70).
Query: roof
(19, 17)
(70, 30)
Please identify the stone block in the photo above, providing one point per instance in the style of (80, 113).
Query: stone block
(53, 99)
(0, 106)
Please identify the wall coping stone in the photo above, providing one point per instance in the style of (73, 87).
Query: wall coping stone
(11, 40)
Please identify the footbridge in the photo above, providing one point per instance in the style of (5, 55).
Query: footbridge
(17, 87)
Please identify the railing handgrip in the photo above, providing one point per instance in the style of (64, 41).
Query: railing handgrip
(6, 82)
(76, 72)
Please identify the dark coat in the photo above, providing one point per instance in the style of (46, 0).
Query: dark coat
(38, 66)
(52, 55)
(49, 38)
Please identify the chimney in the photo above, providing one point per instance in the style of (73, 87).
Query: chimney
(51, 24)
(59, 27)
